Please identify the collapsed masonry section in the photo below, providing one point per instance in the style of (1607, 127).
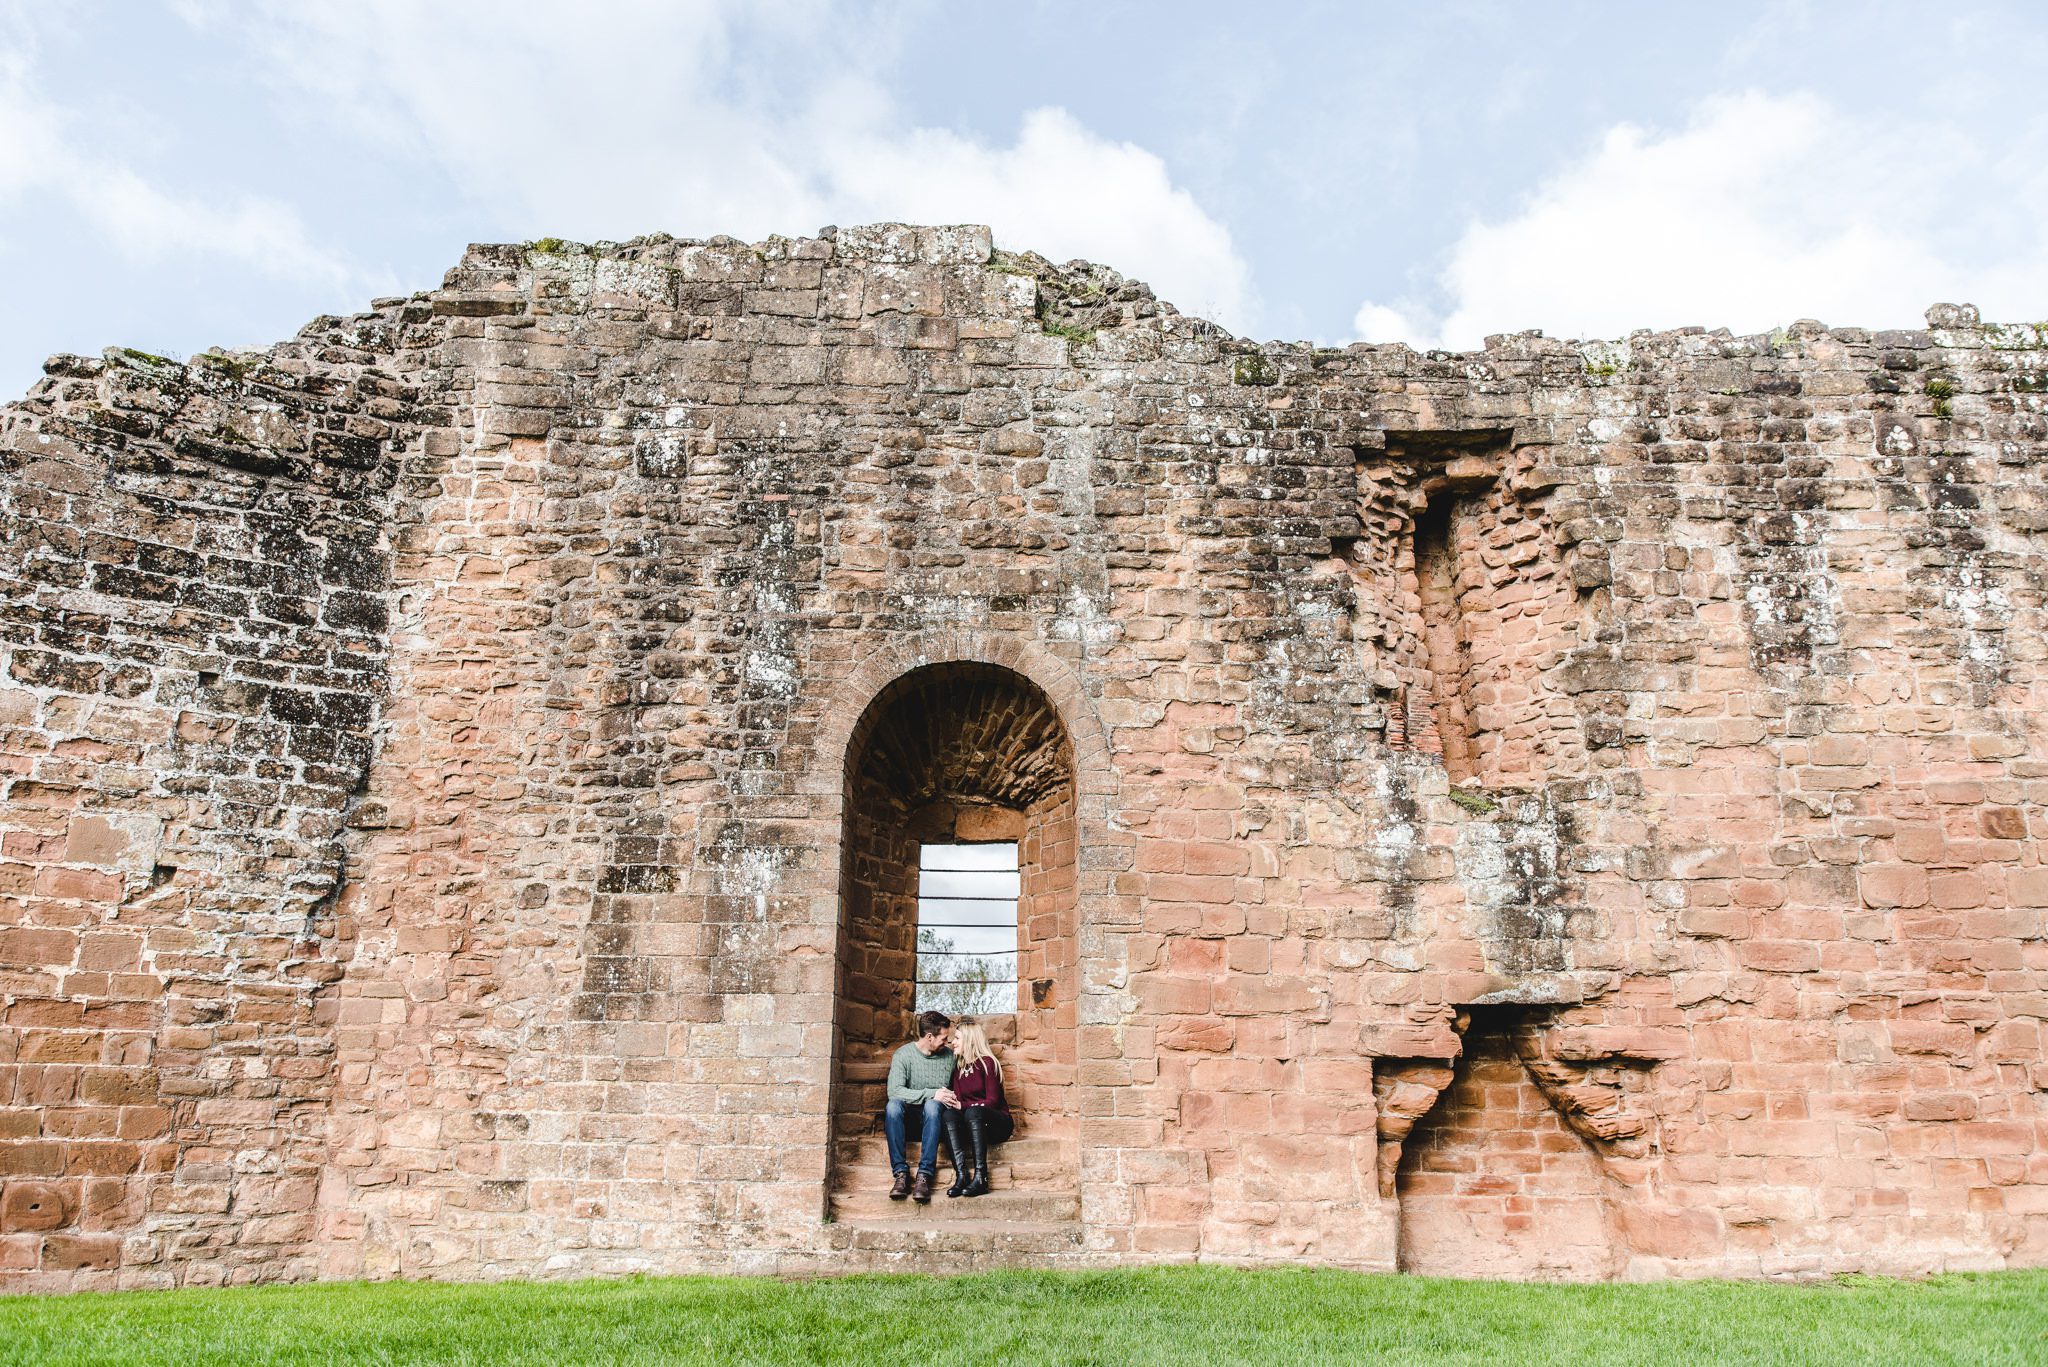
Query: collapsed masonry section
(1470, 567)
(1528, 1155)
(1493, 1183)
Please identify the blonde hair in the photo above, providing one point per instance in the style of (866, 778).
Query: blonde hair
(970, 1045)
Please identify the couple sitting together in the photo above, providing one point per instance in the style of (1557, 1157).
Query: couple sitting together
(947, 1078)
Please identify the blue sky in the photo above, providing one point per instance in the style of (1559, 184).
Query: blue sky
(202, 172)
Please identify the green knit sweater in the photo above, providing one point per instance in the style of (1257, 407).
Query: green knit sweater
(914, 1076)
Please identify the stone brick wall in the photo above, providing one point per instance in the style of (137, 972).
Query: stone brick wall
(1563, 810)
(194, 620)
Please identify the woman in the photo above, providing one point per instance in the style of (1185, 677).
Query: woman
(980, 1119)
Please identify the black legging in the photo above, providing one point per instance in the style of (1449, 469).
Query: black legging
(971, 1131)
(987, 1126)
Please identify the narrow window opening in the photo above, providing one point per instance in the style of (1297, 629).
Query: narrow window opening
(967, 928)
(1444, 647)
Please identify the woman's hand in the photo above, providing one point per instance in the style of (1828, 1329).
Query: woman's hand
(946, 1098)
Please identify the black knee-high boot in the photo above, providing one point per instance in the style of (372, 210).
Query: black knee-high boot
(960, 1142)
(977, 1135)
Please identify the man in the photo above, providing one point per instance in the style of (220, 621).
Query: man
(919, 1091)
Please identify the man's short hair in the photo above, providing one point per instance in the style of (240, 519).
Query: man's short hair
(933, 1023)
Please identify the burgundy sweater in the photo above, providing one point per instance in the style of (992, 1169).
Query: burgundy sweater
(980, 1085)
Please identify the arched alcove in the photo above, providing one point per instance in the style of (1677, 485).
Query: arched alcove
(962, 752)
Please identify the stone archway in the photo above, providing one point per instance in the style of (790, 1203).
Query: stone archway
(962, 751)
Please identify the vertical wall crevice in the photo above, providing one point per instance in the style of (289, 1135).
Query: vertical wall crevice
(1440, 700)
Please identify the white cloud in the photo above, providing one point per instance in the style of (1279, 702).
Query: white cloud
(1059, 190)
(649, 117)
(1761, 210)
(147, 223)
(41, 159)
(1383, 323)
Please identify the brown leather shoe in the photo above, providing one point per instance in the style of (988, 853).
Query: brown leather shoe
(900, 1188)
(921, 1187)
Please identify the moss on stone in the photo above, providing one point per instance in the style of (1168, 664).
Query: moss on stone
(1254, 369)
(1943, 393)
(1010, 263)
(234, 367)
(1474, 801)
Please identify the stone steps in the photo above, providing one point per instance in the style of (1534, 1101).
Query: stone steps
(1001, 1206)
(1034, 1206)
(957, 1247)
(1035, 1164)
(1023, 1148)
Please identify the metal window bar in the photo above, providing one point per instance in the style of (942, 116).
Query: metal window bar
(971, 891)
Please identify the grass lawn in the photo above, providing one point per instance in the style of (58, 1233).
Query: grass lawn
(1159, 1315)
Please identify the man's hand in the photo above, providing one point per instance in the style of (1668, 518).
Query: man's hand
(946, 1098)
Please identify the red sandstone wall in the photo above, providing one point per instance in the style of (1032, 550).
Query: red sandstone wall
(1494, 1183)
(1737, 901)
(194, 624)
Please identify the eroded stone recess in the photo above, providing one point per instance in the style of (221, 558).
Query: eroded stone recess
(1566, 810)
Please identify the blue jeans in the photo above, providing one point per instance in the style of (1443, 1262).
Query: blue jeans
(897, 1117)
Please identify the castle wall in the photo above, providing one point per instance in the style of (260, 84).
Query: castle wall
(1661, 718)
